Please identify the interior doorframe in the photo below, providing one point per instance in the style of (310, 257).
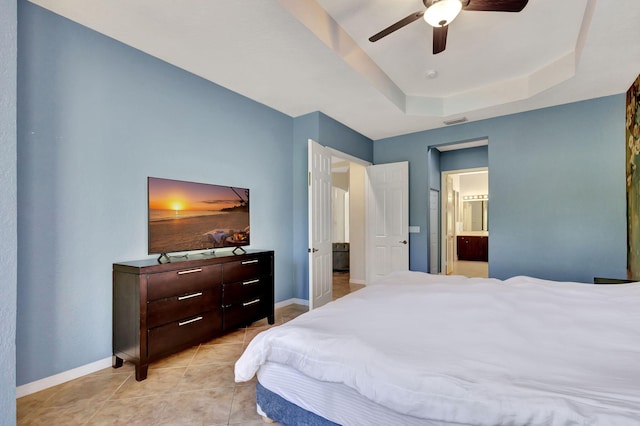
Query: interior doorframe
(434, 231)
(363, 163)
(350, 158)
(443, 212)
(347, 157)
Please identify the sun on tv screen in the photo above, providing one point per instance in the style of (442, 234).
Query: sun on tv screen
(186, 216)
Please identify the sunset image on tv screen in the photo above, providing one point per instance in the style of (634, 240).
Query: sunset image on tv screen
(192, 216)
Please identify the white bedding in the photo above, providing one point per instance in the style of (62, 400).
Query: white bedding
(473, 351)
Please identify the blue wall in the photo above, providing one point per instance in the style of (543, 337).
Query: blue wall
(557, 187)
(95, 119)
(8, 210)
(469, 158)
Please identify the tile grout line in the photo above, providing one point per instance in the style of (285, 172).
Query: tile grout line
(121, 380)
(235, 385)
(104, 403)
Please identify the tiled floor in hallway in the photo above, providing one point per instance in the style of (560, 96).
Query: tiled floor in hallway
(471, 269)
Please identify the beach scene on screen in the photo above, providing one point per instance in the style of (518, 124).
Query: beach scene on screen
(191, 216)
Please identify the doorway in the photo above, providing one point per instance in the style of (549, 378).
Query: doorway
(465, 222)
(348, 220)
(348, 196)
(384, 200)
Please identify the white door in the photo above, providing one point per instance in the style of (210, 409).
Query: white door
(320, 248)
(450, 218)
(387, 219)
(434, 208)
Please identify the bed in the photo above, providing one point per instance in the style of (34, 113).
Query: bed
(421, 349)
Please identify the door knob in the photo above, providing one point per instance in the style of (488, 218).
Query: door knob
(403, 241)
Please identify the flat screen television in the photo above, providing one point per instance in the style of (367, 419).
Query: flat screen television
(185, 216)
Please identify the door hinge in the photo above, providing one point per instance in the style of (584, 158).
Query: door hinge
(309, 178)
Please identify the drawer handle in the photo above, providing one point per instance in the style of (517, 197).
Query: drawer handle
(247, 262)
(189, 296)
(250, 303)
(189, 321)
(190, 271)
(250, 282)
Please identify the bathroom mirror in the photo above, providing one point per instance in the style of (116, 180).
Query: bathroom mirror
(474, 215)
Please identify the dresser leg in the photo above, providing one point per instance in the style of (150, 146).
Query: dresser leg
(117, 362)
(271, 319)
(141, 372)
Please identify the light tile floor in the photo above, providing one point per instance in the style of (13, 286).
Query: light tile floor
(470, 268)
(193, 387)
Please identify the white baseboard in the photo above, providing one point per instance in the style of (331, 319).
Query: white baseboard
(291, 301)
(63, 377)
(363, 282)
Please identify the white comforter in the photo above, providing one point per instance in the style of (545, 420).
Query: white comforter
(473, 351)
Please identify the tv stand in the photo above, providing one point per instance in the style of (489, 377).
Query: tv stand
(163, 308)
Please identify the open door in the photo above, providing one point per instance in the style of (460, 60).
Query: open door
(434, 242)
(387, 221)
(450, 226)
(320, 248)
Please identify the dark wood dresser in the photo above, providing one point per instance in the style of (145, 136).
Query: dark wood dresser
(160, 309)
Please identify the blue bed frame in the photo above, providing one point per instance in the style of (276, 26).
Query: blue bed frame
(287, 413)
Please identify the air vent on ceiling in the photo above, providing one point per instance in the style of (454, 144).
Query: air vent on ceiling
(455, 121)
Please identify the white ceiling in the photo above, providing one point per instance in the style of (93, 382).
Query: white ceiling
(314, 55)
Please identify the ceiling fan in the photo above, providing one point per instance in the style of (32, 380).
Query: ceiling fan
(440, 13)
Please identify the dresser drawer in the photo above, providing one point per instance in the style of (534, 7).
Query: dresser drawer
(191, 330)
(244, 313)
(183, 281)
(246, 269)
(243, 291)
(162, 311)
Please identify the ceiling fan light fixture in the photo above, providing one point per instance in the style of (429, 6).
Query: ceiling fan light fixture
(442, 12)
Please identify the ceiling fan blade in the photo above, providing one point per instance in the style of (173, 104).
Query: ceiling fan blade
(439, 39)
(494, 5)
(401, 23)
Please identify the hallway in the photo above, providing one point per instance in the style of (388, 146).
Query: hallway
(341, 285)
(470, 268)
